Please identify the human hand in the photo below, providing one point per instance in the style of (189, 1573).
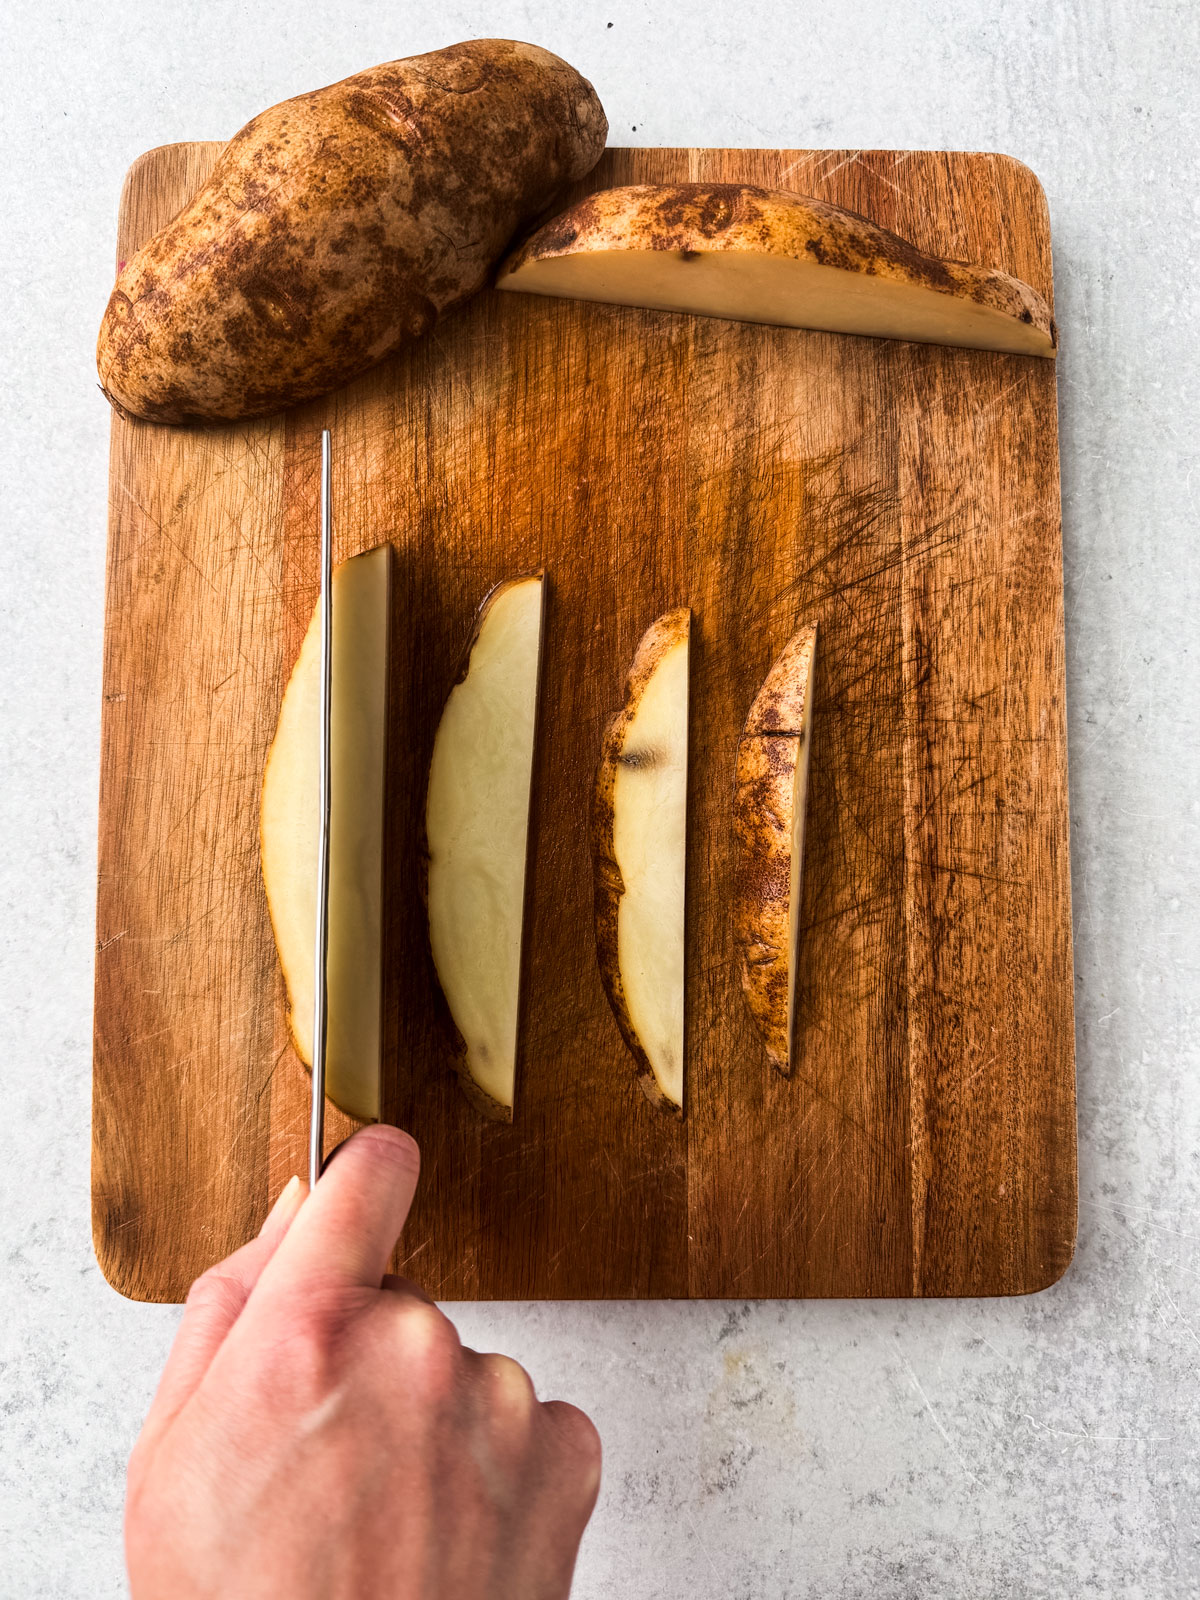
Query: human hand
(319, 1432)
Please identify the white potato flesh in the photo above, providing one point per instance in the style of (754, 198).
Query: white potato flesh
(290, 826)
(745, 285)
(477, 827)
(650, 848)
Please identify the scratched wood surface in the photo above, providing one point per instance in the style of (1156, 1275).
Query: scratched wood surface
(907, 499)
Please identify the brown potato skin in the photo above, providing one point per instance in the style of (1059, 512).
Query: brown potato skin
(608, 886)
(686, 217)
(340, 225)
(762, 804)
(780, 703)
(768, 753)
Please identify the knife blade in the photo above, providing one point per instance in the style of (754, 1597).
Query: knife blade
(316, 1123)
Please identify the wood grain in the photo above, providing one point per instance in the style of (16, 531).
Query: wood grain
(905, 498)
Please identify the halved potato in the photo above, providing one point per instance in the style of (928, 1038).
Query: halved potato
(290, 827)
(770, 792)
(760, 255)
(639, 842)
(476, 837)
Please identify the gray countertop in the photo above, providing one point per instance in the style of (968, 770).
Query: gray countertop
(1044, 1446)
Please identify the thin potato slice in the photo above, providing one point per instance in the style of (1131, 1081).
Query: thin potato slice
(290, 825)
(476, 833)
(639, 845)
(770, 795)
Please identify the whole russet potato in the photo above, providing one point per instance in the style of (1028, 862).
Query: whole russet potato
(338, 226)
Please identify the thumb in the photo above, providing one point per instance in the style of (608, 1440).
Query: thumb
(348, 1229)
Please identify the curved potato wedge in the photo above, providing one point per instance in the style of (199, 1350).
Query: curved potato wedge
(476, 839)
(763, 255)
(639, 853)
(770, 793)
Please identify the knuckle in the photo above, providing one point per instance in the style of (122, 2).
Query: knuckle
(510, 1392)
(217, 1290)
(577, 1436)
(431, 1343)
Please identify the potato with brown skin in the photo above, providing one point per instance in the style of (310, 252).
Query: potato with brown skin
(639, 858)
(761, 255)
(340, 225)
(770, 794)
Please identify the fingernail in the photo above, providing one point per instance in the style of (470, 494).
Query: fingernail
(287, 1201)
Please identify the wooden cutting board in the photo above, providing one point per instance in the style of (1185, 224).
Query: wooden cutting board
(907, 499)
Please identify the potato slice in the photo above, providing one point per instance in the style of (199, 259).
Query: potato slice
(639, 841)
(759, 255)
(290, 826)
(771, 789)
(476, 831)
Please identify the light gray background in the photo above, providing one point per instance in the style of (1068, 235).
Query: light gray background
(1026, 1448)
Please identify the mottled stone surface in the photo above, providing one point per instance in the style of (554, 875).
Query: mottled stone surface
(818, 1451)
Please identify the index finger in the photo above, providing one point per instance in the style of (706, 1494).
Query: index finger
(347, 1229)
